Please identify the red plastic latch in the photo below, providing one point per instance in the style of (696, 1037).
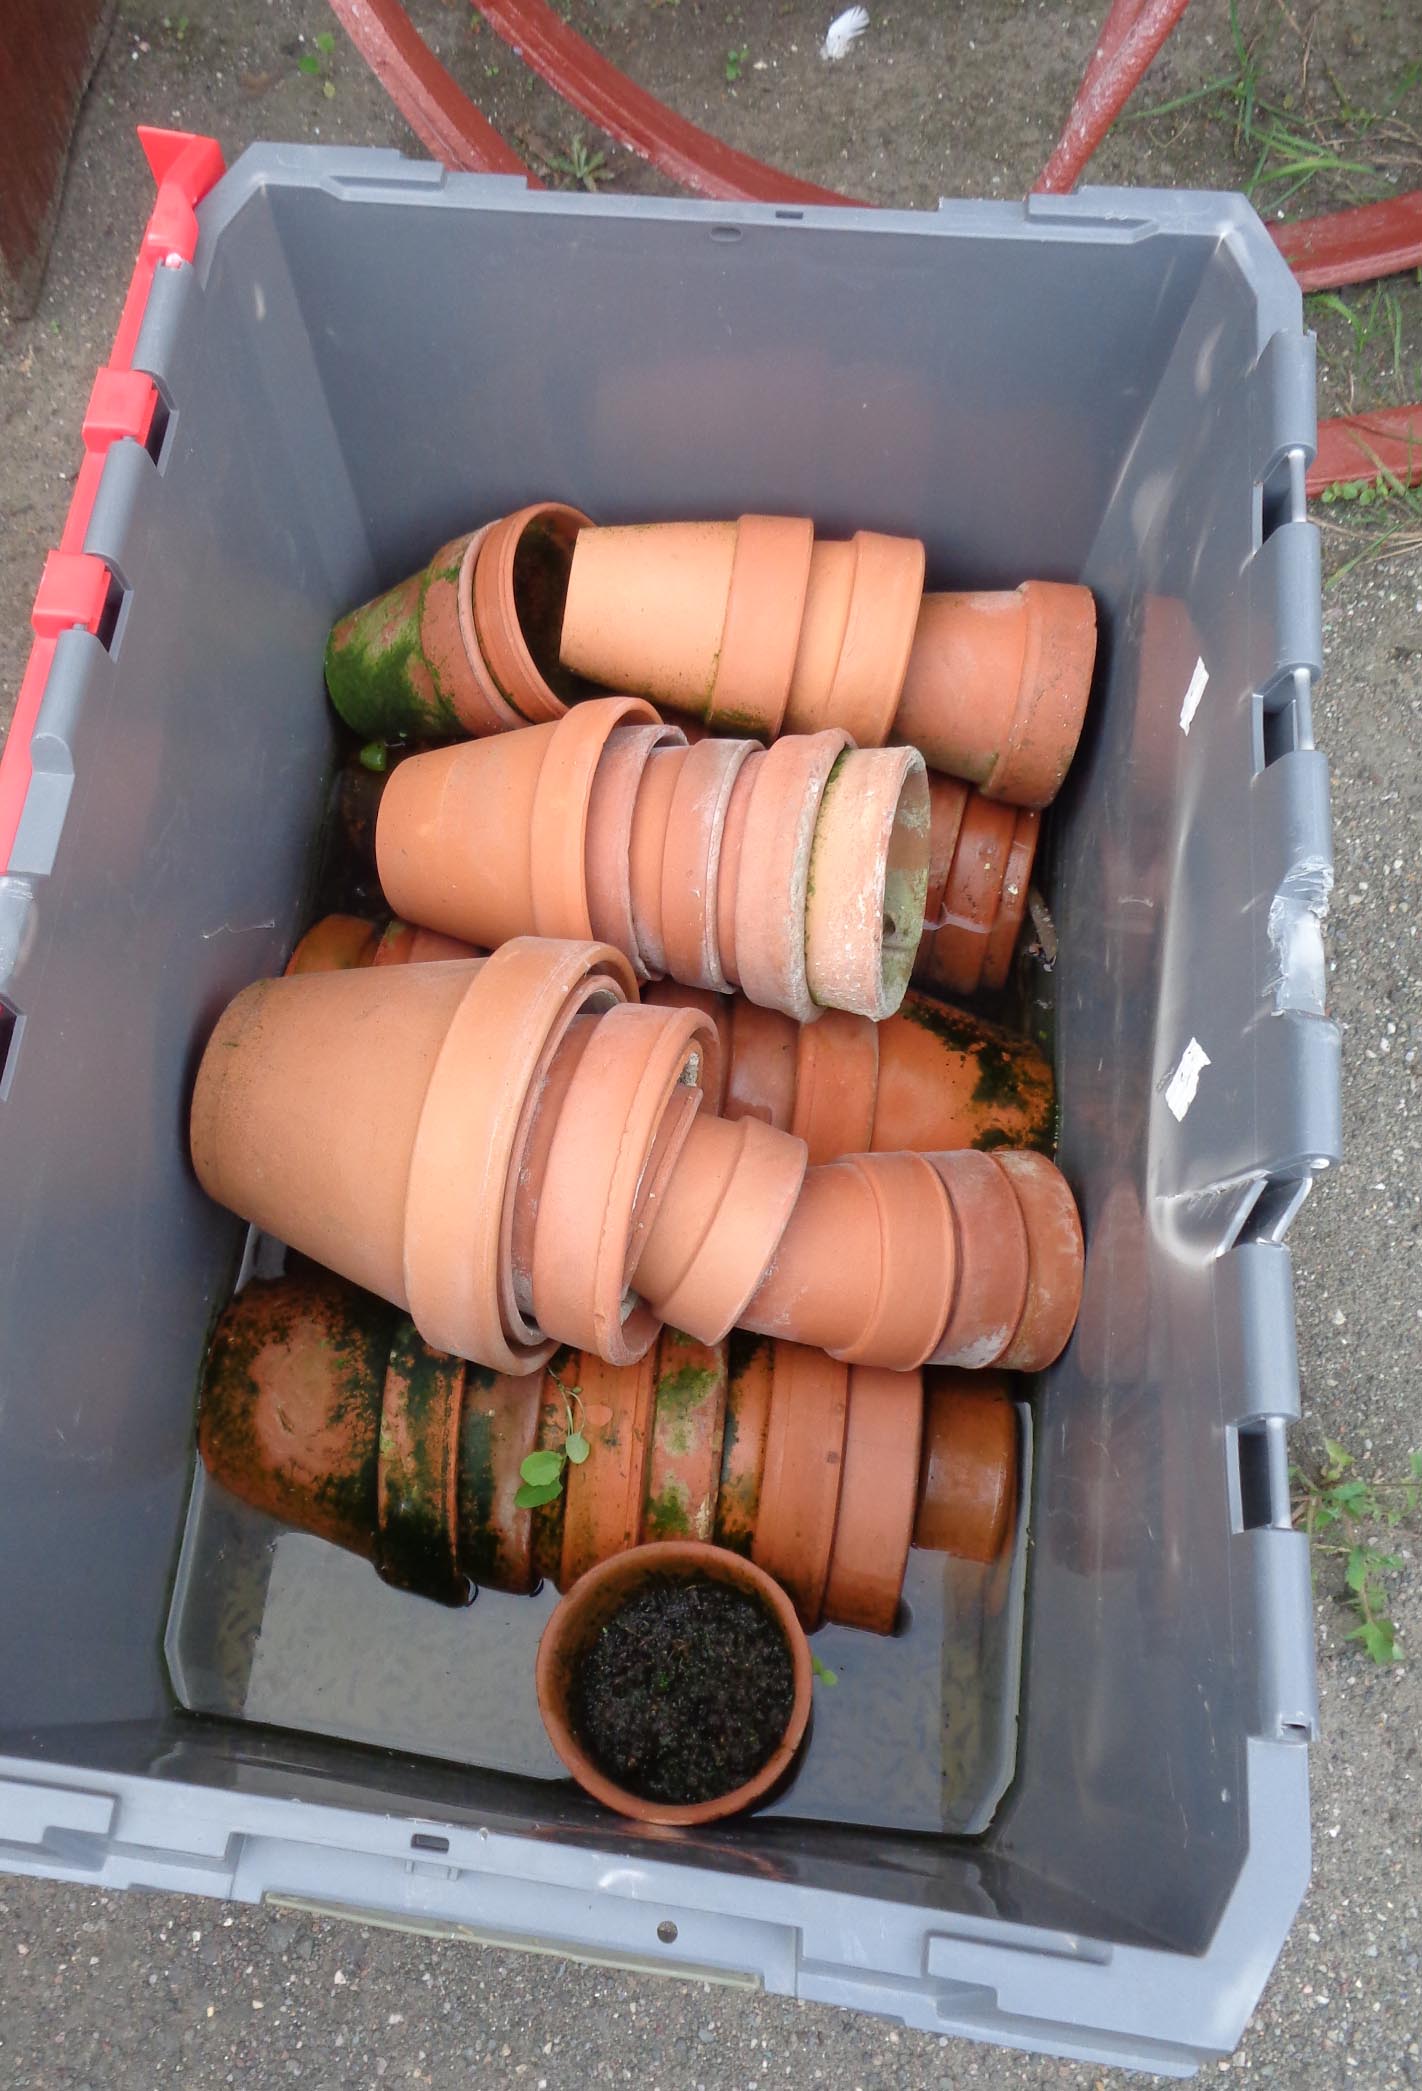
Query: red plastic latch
(74, 587)
(73, 590)
(121, 404)
(185, 168)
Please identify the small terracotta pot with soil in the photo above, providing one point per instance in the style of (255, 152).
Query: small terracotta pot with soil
(799, 874)
(674, 1682)
(469, 644)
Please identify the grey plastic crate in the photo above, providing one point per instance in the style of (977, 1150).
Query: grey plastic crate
(367, 355)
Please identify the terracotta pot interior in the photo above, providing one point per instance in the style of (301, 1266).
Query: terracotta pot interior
(541, 566)
(905, 884)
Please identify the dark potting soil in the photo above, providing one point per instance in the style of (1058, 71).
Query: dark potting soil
(685, 1692)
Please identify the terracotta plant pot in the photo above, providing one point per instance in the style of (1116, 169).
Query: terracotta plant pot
(799, 874)
(979, 878)
(750, 626)
(512, 1152)
(754, 628)
(967, 1483)
(997, 686)
(383, 1121)
(340, 943)
(313, 1387)
(469, 644)
(903, 1259)
(584, 1613)
(927, 1078)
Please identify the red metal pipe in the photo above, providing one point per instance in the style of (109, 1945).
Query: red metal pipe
(635, 118)
(1365, 446)
(1109, 83)
(1373, 239)
(1120, 18)
(442, 117)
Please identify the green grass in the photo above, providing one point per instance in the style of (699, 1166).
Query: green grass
(1345, 1516)
(581, 168)
(1288, 140)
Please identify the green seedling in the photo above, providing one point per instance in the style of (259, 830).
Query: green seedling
(823, 1671)
(311, 64)
(736, 63)
(1388, 495)
(375, 756)
(583, 168)
(1343, 1515)
(543, 1471)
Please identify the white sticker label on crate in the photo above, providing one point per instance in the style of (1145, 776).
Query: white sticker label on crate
(1180, 1089)
(1193, 695)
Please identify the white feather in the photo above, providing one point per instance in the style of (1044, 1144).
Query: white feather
(844, 30)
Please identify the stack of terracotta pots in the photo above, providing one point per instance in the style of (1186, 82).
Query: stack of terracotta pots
(927, 1077)
(798, 873)
(323, 1408)
(624, 1147)
(518, 1154)
(752, 628)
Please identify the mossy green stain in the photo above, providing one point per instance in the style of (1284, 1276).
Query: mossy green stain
(999, 1082)
(832, 783)
(479, 1539)
(267, 1316)
(1006, 1079)
(370, 679)
(680, 1395)
(415, 1543)
(668, 1515)
(737, 1508)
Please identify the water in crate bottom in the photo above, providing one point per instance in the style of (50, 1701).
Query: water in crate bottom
(270, 1625)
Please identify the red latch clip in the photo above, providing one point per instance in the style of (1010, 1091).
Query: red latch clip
(73, 590)
(121, 404)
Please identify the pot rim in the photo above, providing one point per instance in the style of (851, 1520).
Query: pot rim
(558, 1647)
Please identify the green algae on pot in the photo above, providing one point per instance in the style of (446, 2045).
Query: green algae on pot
(289, 1417)
(688, 1420)
(459, 648)
(749, 1391)
(417, 1498)
(378, 674)
(704, 1701)
(322, 1408)
(935, 1060)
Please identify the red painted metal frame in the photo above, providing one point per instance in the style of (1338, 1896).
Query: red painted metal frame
(1131, 34)
(1385, 442)
(636, 119)
(74, 587)
(1373, 239)
(439, 113)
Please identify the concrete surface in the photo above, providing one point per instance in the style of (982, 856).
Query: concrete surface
(100, 1991)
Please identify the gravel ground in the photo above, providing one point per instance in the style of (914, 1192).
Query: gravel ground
(137, 1990)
